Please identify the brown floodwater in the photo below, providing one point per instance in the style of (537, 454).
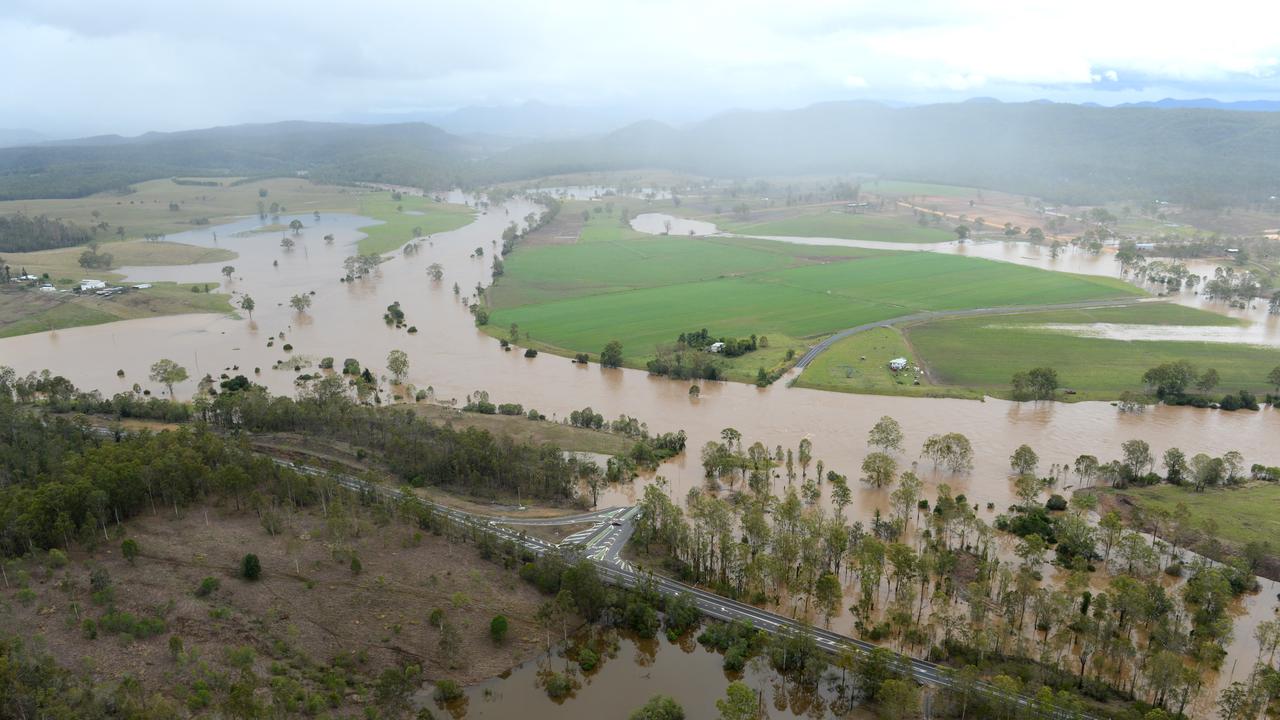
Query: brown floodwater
(454, 358)
(637, 670)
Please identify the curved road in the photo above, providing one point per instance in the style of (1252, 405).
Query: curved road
(827, 342)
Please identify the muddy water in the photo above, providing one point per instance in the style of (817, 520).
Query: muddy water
(639, 670)
(452, 356)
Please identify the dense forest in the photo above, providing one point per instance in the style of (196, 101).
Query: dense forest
(20, 233)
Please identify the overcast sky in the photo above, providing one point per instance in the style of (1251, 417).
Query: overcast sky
(94, 66)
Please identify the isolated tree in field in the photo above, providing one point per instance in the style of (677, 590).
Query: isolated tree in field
(739, 703)
(250, 567)
(659, 707)
(300, 302)
(1024, 460)
(1273, 378)
(611, 355)
(962, 232)
(247, 305)
(1170, 379)
(286, 243)
(886, 434)
(398, 365)
(435, 271)
(878, 469)
(168, 373)
(295, 225)
(1035, 235)
(227, 270)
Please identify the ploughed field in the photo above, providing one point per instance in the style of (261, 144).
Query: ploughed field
(646, 291)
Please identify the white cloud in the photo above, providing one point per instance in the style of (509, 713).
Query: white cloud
(143, 64)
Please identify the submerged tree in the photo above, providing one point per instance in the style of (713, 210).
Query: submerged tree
(168, 373)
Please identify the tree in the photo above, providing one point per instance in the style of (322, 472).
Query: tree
(247, 304)
(1170, 379)
(828, 593)
(1137, 457)
(1273, 378)
(962, 232)
(879, 469)
(250, 567)
(168, 373)
(611, 356)
(886, 434)
(659, 707)
(300, 302)
(129, 549)
(228, 270)
(498, 628)
(398, 365)
(287, 243)
(1207, 380)
(295, 225)
(435, 271)
(952, 450)
(739, 703)
(898, 699)
(1024, 460)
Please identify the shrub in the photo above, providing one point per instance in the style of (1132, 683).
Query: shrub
(1056, 503)
(559, 686)
(326, 363)
(250, 567)
(587, 659)
(447, 691)
(530, 353)
(498, 628)
(207, 586)
(129, 549)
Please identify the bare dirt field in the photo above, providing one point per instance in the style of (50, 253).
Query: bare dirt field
(308, 607)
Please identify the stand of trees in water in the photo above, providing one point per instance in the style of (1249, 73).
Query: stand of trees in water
(929, 579)
(22, 233)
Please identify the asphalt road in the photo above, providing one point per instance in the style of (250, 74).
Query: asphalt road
(827, 342)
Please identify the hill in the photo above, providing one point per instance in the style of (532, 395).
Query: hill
(1067, 153)
(409, 153)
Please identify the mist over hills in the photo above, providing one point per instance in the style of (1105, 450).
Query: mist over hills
(1066, 153)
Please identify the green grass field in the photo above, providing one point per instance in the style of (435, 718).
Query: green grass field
(575, 298)
(983, 353)
(31, 311)
(826, 222)
(398, 226)
(1240, 515)
(842, 368)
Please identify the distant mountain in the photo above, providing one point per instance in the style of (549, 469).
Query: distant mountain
(411, 153)
(1209, 104)
(13, 137)
(533, 119)
(1069, 153)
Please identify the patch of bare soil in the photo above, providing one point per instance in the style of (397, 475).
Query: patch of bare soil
(309, 606)
(564, 229)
